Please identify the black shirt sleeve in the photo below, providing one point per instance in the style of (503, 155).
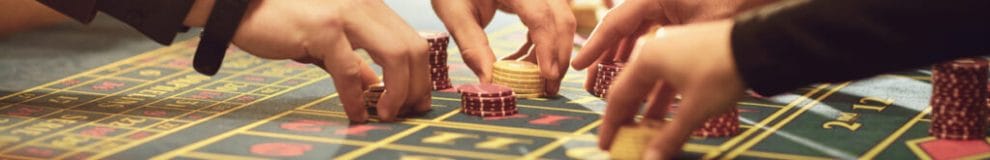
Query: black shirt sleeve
(160, 20)
(795, 43)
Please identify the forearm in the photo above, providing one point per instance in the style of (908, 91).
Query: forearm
(796, 43)
(19, 15)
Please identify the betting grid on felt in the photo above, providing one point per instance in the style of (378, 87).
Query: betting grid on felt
(155, 106)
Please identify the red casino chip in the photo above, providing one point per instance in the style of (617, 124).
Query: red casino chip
(484, 90)
(489, 109)
(959, 99)
(490, 113)
(488, 104)
(442, 87)
(604, 77)
(502, 99)
(723, 125)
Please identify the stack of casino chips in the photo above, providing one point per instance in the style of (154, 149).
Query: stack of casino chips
(372, 95)
(487, 100)
(521, 76)
(438, 59)
(722, 125)
(603, 79)
(959, 99)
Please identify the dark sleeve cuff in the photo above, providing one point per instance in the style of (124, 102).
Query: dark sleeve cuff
(81, 10)
(160, 20)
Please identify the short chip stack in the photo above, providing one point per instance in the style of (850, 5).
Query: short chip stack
(373, 93)
(959, 99)
(722, 125)
(521, 76)
(487, 100)
(631, 140)
(438, 59)
(603, 79)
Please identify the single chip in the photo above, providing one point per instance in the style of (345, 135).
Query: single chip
(377, 87)
(522, 88)
(442, 86)
(488, 104)
(528, 91)
(484, 90)
(443, 69)
(502, 99)
(722, 125)
(532, 81)
(440, 78)
(431, 35)
(500, 109)
(957, 134)
(490, 113)
(529, 95)
(517, 67)
(498, 73)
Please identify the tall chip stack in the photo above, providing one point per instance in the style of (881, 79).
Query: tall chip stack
(438, 42)
(604, 77)
(959, 99)
(487, 100)
(523, 77)
(722, 125)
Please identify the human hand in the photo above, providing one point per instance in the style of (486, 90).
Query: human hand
(326, 33)
(694, 60)
(551, 29)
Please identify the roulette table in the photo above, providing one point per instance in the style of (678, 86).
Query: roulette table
(153, 105)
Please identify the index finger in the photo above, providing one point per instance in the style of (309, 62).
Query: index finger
(620, 22)
(466, 21)
(543, 31)
(399, 50)
(621, 109)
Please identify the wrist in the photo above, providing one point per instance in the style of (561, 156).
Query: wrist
(199, 13)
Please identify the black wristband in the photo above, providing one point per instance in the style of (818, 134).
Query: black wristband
(217, 34)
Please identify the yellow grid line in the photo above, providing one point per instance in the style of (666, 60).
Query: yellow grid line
(307, 138)
(60, 110)
(761, 136)
(890, 139)
(201, 143)
(364, 150)
(913, 146)
(181, 127)
(458, 153)
(19, 157)
(173, 119)
(72, 108)
(756, 128)
(470, 126)
(100, 68)
(204, 155)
